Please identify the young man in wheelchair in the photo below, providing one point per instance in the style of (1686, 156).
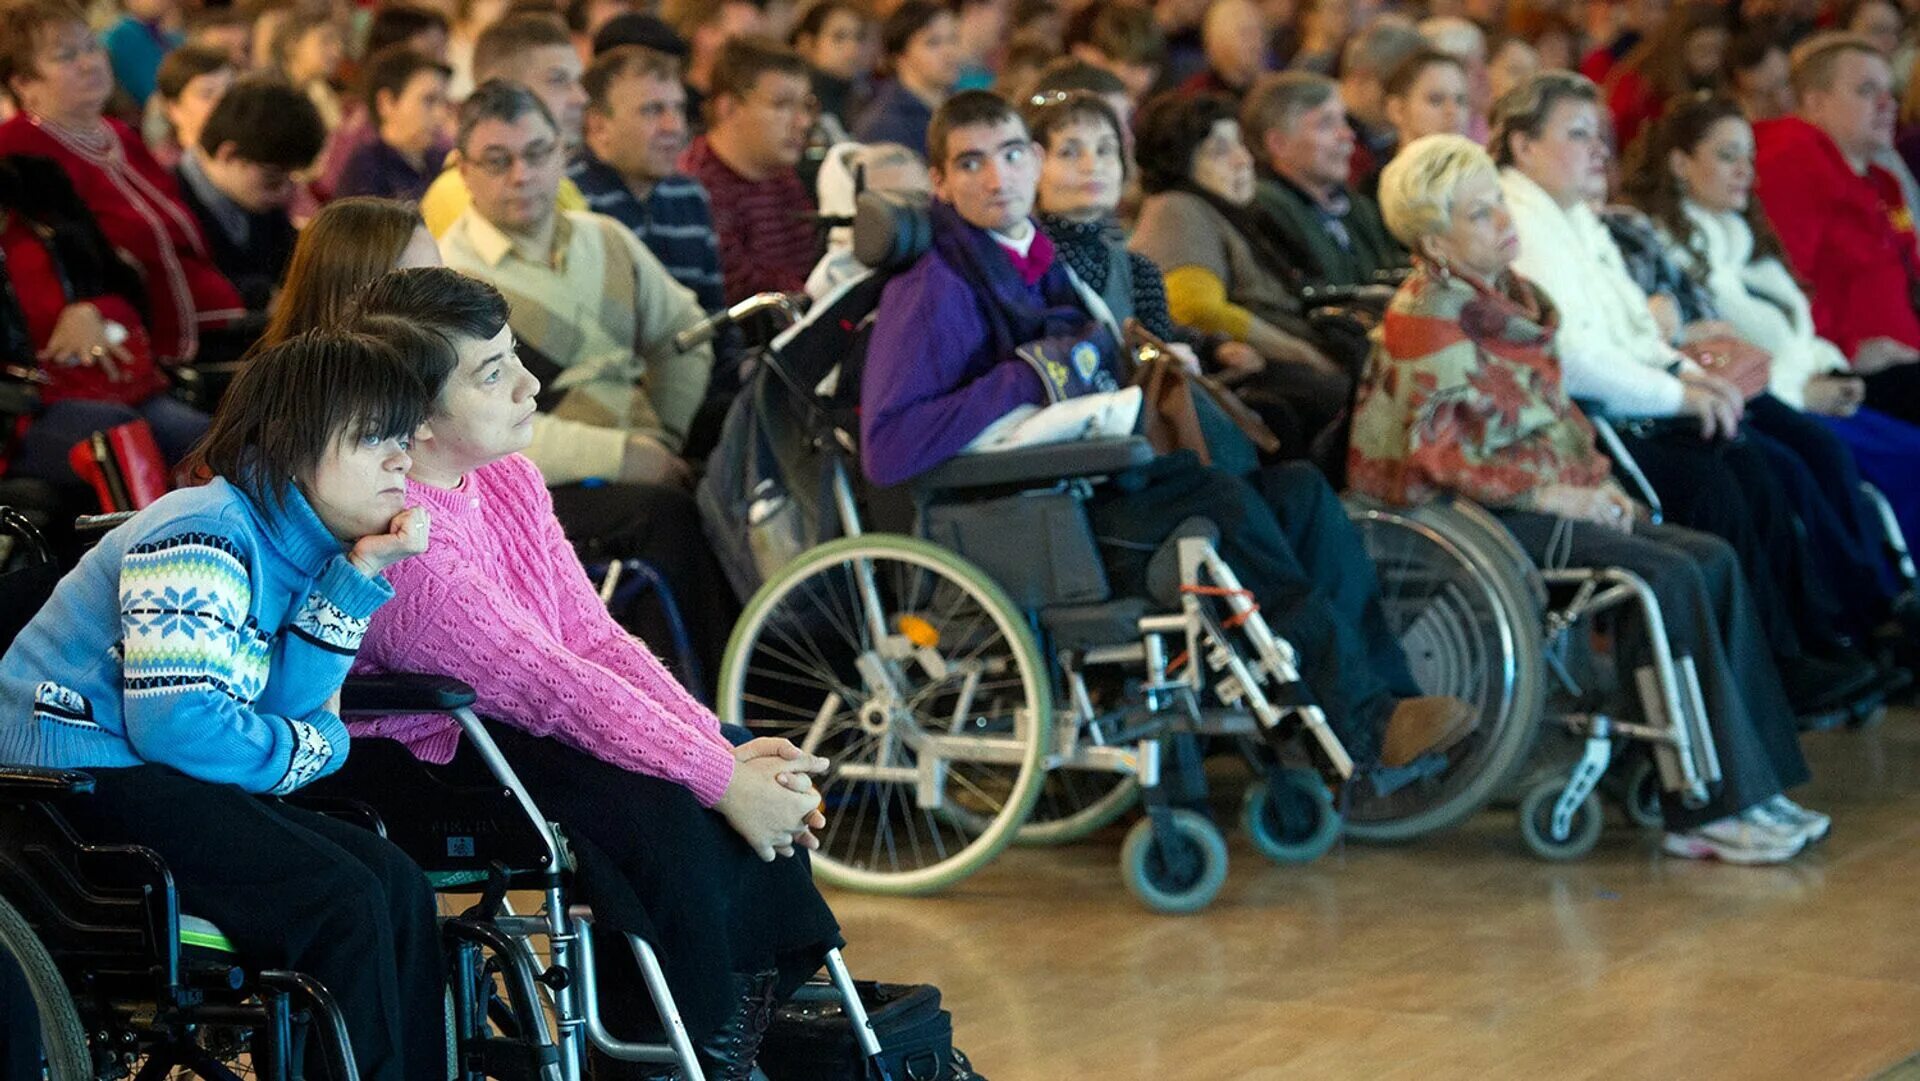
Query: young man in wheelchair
(192, 664)
(668, 821)
(945, 362)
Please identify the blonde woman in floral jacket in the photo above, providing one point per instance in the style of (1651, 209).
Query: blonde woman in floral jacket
(1464, 396)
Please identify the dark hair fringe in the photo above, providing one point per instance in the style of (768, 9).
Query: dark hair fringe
(421, 311)
(1167, 132)
(964, 110)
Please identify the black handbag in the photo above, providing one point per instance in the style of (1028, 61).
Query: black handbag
(811, 1037)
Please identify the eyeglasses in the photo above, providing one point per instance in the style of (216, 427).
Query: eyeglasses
(501, 162)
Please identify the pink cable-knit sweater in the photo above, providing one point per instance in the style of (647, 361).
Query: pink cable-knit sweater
(500, 601)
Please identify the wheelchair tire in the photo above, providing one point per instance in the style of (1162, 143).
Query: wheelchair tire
(1289, 816)
(1466, 603)
(1536, 823)
(953, 661)
(1640, 793)
(1164, 884)
(63, 1041)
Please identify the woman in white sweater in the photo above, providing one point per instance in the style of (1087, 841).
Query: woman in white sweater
(1695, 181)
(1547, 136)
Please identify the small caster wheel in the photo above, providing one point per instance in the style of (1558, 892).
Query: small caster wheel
(1640, 795)
(1536, 823)
(1289, 816)
(1178, 872)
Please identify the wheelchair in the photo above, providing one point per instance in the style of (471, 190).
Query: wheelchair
(124, 984)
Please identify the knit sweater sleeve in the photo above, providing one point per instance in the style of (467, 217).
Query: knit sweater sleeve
(194, 662)
(454, 620)
(1198, 297)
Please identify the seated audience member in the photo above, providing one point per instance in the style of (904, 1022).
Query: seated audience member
(1366, 65)
(831, 36)
(1467, 43)
(1510, 61)
(1297, 128)
(671, 821)
(409, 120)
(52, 65)
(1547, 137)
(191, 664)
(1235, 35)
(70, 304)
(1224, 274)
(707, 26)
(1179, 24)
(1681, 57)
(226, 29)
(1847, 231)
(421, 29)
(239, 179)
(586, 18)
(1121, 39)
(471, 18)
(1465, 397)
(942, 367)
(636, 129)
(307, 50)
(353, 241)
(920, 57)
(537, 52)
(879, 167)
(191, 81)
(1696, 180)
(138, 41)
(980, 35)
(1757, 74)
(1324, 26)
(762, 215)
(1428, 94)
(1881, 22)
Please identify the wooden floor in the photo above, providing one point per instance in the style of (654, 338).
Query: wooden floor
(1459, 957)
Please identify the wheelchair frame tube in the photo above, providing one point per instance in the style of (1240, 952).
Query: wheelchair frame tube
(1618, 449)
(678, 1051)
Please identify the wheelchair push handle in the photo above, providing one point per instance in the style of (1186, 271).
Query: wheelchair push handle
(789, 305)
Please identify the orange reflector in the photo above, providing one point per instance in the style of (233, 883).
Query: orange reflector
(918, 631)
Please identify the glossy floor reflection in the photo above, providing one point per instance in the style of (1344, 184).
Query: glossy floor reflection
(1460, 957)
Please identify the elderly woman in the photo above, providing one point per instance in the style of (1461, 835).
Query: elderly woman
(1547, 136)
(1223, 274)
(53, 66)
(1464, 396)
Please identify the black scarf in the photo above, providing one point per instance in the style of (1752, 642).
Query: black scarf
(1087, 246)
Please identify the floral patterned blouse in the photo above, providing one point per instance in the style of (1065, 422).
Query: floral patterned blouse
(1463, 395)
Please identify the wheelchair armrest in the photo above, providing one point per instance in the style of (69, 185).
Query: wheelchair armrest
(405, 692)
(38, 783)
(1042, 464)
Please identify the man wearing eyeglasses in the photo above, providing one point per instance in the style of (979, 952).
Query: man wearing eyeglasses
(760, 112)
(594, 310)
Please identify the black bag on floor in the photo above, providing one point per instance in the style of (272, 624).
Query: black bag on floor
(811, 1037)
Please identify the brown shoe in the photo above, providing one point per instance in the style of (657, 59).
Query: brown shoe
(1423, 725)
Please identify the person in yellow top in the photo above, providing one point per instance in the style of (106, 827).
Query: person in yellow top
(536, 51)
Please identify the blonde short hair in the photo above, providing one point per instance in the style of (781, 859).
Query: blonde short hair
(1417, 187)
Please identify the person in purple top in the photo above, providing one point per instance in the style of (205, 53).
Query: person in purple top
(988, 321)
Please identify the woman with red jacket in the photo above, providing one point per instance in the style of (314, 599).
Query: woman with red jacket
(55, 70)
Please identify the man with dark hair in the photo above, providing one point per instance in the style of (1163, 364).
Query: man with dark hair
(420, 29)
(707, 26)
(988, 324)
(239, 179)
(536, 51)
(636, 130)
(191, 81)
(1122, 39)
(409, 118)
(1297, 128)
(761, 111)
(1365, 64)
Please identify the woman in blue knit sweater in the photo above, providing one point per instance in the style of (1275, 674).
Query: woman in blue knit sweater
(192, 663)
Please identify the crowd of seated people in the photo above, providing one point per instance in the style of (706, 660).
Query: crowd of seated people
(500, 215)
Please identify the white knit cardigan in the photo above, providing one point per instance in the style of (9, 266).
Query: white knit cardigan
(1609, 344)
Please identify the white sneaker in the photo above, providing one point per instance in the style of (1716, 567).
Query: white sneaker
(1732, 840)
(1814, 824)
(1788, 831)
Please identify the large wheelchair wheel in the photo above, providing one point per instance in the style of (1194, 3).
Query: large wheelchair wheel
(1466, 603)
(910, 670)
(1075, 803)
(27, 970)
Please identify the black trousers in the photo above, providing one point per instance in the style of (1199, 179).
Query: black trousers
(1708, 616)
(661, 525)
(1729, 488)
(1293, 546)
(296, 890)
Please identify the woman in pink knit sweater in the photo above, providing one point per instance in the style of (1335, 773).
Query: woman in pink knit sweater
(666, 815)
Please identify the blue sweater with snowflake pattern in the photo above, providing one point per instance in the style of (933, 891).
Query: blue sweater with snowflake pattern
(206, 634)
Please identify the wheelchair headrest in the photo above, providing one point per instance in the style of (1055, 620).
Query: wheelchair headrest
(891, 232)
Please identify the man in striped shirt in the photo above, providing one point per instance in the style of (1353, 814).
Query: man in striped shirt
(636, 128)
(760, 113)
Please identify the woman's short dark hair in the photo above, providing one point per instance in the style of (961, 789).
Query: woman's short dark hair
(907, 20)
(291, 403)
(1400, 80)
(1526, 108)
(421, 311)
(1046, 113)
(1167, 132)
